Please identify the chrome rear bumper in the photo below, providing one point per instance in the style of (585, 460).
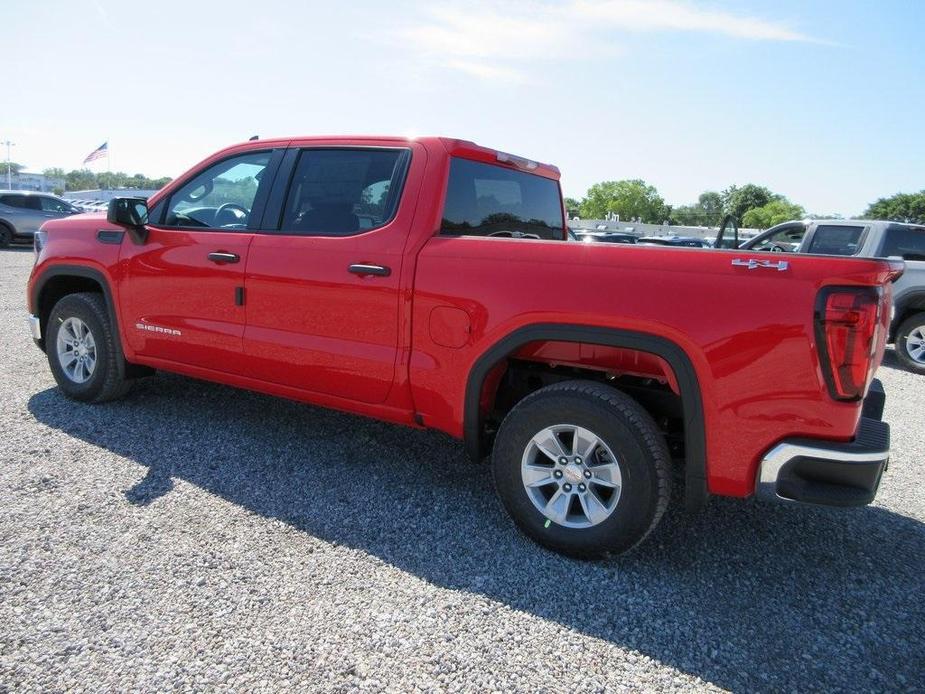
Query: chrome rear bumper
(830, 473)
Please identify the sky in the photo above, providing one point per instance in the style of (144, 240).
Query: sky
(820, 100)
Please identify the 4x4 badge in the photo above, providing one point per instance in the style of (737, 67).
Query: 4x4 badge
(751, 264)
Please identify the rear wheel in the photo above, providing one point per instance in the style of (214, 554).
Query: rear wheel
(83, 352)
(6, 235)
(582, 469)
(910, 342)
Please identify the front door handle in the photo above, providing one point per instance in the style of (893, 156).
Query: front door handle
(222, 257)
(363, 269)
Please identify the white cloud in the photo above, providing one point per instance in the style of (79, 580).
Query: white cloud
(675, 15)
(501, 41)
(487, 71)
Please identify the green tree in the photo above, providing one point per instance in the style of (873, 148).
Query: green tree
(902, 207)
(572, 207)
(687, 215)
(84, 179)
(711, 203)
(54, 172)
(776, 211)
(737, 201)
(630, 199)
(707, 211)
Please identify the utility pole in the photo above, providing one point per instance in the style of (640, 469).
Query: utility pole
(9, 174)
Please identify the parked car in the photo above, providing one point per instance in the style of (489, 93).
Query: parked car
(605, 237)
(871, 239)
(684, 241)
(582, 369)
(22, 212)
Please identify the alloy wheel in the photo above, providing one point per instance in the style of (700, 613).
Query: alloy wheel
(76, 349)
(915, 344)
(571, 476)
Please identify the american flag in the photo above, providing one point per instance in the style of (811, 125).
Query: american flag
(98, 153)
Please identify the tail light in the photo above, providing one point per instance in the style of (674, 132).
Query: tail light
(849, 330)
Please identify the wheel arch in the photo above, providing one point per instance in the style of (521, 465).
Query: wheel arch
(58, 281)
(696, 491)
(8, 226)
(906, 304)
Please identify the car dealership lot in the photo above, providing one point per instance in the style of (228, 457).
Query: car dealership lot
(192, 535)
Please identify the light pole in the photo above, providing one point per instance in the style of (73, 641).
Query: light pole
(9, 175)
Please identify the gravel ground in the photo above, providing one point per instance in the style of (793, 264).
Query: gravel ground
(193, 536)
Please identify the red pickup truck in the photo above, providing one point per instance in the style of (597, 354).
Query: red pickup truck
(430, 282)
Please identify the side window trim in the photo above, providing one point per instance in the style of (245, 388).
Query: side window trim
(276, 200)
(258, 209)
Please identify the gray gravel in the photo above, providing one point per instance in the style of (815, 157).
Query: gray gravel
(193, 536)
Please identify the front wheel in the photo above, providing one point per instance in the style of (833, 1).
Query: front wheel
(83, 351)
(910, 342)
(582, 469)
(6, 236)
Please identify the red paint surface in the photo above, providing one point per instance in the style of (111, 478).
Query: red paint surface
(311, 331)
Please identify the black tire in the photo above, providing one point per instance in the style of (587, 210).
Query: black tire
(914, 323)
(107, 381)
(6, 235)
(624, 427)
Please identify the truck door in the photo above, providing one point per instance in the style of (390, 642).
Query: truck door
(183, 293)
(323, 279)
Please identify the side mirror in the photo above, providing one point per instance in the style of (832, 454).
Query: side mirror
(131, 213)
(128, 212)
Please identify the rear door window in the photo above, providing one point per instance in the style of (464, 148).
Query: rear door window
(907, 242)
(340, 192)
(12, 200)
(836, 239)
(487, 200)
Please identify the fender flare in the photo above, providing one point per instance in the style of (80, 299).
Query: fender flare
(909, 301)
(81, 271)
(696, 491)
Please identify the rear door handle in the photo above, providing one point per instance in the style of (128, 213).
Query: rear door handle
(363, 269)
(222, 257)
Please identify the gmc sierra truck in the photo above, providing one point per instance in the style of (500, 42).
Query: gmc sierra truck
(428, 282)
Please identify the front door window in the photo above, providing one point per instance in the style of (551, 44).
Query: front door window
(221, 197)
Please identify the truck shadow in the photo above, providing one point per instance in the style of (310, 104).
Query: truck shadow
(891, 361)
(743, 595)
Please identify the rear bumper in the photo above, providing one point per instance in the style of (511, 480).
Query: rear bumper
(829, 473)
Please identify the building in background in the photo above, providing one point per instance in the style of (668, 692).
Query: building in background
(31, 181)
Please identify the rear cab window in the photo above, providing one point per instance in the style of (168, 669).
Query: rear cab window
(488, 200)
(836, 239)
